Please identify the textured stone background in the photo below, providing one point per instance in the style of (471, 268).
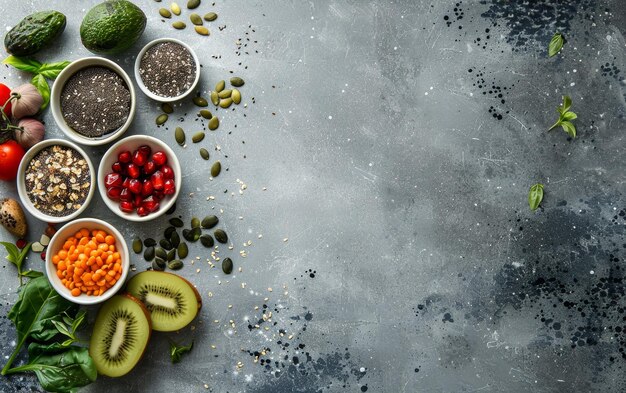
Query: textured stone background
(397, 142)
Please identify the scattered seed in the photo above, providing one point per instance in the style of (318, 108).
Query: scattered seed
(165, 13)
(214, 123)
(176, 264)
(227, 265)
(149, 242)
(192, 235)
(148, 254)
(179, 135)
(237, 81)
(191, 4)
(220, 236)
(225, 103)
(167, 108)
(179, 25)
(175, 239)
(158, 266)
(137, 245)
(197, 137)
(202, 30)
(160, 253)
(209, 222)
(173, 208)
(166, 244)
(204, 153)
(175, 8)
(215, 99)
(224, 93)
(168, 232)
(216, 169)
(206, 113)
(177, 222)
(236, 96)
(220, 86)
(207, 241)
(161, 119)
(200, 101)
(210, 17)
(183, 250)
(195, 19)
(195, 222)
(171, 254)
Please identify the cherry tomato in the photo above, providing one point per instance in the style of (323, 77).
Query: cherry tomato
(11, 154)
(5, 94)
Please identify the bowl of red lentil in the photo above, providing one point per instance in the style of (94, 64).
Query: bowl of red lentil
(56, 180)
(87, 261)
(93, 101)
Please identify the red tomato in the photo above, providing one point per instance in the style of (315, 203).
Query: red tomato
(5, 94)
(11, 154)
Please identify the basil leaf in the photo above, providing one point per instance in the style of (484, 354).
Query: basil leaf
(176, 351)
(569, 116)
(32, 274)
(42, 85)
(24, 64)
(52, 70)
(569, 128)
(535, 196)
(567, 103)
(12, 251)
(556, 43)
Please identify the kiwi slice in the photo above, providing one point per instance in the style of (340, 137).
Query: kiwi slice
(120, 335)
(172, 301)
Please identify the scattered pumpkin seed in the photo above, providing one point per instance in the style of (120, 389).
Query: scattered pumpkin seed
(166, 244)
(179, 135)
(191, 4)
(209, 222)
(192, 235)
(196, 19)
(220, 236)
(148, 254)
(224, 93)
(216, 169)
(207, 241)
(175, 239)
(204, 153)
(168, 232)
(202, 30)
(177, 222)
(176, 264)
(149, 242)
(161, 119)
(160, 262)
(236, 96)
(215, 99)
(197, 137)
(167, 107)
(206, 113)
(175, 8)
(183, 250)
(171, 254)
(220, 86)
(137, 245)
(210, 17)
(226, 102)
(195, 222)
(200, 101)
(160, 253)
(237, 81)
(165, 13)
(179, 25)
(157, 267)
(214, 123)
(227, 265)
(172, 209)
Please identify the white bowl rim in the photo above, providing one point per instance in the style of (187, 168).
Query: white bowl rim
(59, 83)
(143, 87)
(85, 299)
(21, 180)
(114, 205)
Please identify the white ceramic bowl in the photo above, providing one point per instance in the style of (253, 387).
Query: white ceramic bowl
(140, 80)
(56, 244)
(131, 144)
(57, 89)
(21, 180)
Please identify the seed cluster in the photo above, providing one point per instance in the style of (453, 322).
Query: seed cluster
(95, 101)
(167, 69)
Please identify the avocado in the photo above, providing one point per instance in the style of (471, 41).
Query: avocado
(112, 27)
(34, 32)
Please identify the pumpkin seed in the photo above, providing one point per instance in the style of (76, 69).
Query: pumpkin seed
(204, 153)
(197, 137)
(168, 232)
(191, 4)
(177, 222)
(195, 222)
(210, 17)
(207, 241)
(202, 30)
(161, 119)
(179, 25)
(175, 8)
(214, 123)
(160, 253)
(224, 93)
(173, 208)
(236, 96)
(179, 135)
(196, 19)
(206, 113)
(148, 254)
(220, 86)
(237, 81)
(165, 13)
(209, 222)
(200, 101)
(149, 242)
(220, 236)
(175, 265)
(183, 250)
(216, 169)
(137, 245)
(157, 267)
(192, 235)
(215, 99)
(175, 239)
(160, 262)
(227, 265)
(171, 254)
(226, 102)
(167, 108)
(166, 244)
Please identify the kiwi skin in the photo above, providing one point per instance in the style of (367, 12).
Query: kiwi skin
(193, 288)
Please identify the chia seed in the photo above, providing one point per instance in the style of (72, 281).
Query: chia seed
(58, 181)
(95, 101)
(167, 69)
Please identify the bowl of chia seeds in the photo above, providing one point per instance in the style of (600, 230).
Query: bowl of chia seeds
(167, 70)
(93, 101)
(56, 180)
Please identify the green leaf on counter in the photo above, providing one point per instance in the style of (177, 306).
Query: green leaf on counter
(177, 351)
(23, 64)
(535, 196)
(52, 70)
(42, 85)
(556, 43)
(565, 117)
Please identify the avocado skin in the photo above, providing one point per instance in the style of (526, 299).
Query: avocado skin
(112, 27)
(34, 32)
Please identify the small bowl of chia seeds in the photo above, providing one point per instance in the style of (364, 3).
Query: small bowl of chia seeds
(167, 70)
(56, 180)
(93, 101)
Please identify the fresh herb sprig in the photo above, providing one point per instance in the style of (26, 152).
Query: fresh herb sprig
(535, 196)
(42, 72)
(556, 44)
(177, 351)
(16, 257)
(565, 117)
(68, 327)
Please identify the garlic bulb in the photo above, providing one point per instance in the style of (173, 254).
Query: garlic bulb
(27, 101)
(29, 132)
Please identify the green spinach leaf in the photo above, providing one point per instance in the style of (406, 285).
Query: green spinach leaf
(16, 257)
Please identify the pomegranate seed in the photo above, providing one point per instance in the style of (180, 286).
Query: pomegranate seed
(124, 157)
(145, 150)
(142, 211)
(20, 243)
(169, 187)
(139, 158)
(138, 200)
(168, 172)
(50, 231)
(117, 167)
(126, 206)
(146, 188)
(158, 195)
(149, 168)
(133, 170)
(43, 255)
(150, 204)
(135, 186)
(160, 158)
(157, 180)
(114, 193)
(126, 182)
(126, 195)
(113, 180)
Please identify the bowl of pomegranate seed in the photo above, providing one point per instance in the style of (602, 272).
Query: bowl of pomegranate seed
(139, 178)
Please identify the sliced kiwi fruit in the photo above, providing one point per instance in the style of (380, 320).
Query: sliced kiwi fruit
(120, 335)
(172, 301)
